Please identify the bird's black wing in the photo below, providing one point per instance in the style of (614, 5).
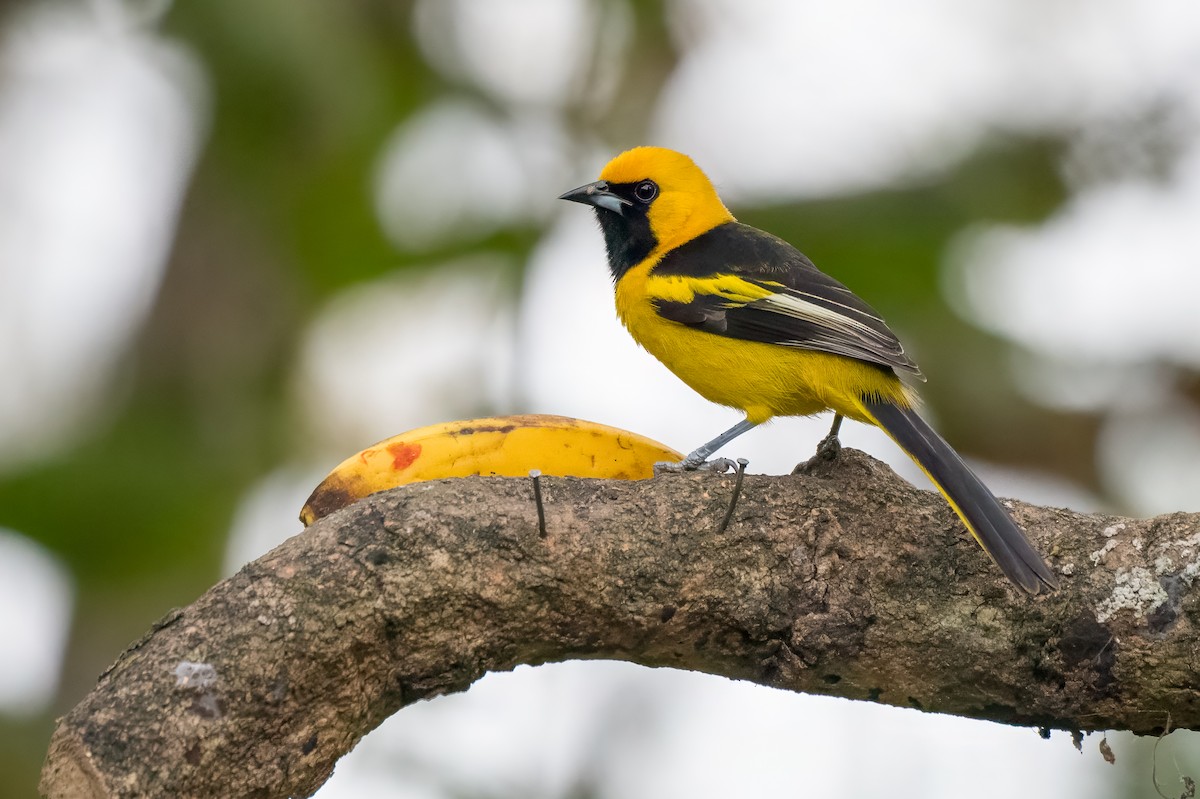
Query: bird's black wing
(738, 281)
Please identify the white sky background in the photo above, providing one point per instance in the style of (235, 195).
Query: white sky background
(100, 121)
(87, 219)
(774, 99)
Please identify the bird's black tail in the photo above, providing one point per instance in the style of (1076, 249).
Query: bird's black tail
(979, 509)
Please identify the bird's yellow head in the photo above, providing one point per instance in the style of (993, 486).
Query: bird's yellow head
(648, 201)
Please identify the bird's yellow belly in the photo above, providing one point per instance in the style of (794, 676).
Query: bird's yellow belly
(763, 380)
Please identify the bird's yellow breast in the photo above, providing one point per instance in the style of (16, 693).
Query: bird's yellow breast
(762, 380)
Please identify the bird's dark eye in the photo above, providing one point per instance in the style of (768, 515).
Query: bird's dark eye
(646, 191)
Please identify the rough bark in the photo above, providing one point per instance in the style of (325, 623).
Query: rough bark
(847, 582)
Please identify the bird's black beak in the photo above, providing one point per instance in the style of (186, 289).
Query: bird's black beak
(597, 194)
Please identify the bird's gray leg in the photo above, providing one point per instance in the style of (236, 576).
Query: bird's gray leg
(697, 458)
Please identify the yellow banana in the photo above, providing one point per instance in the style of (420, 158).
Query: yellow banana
(506, 446)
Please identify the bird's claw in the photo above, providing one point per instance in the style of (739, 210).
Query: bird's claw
(717, 465)
(827, 451)
(829, 448)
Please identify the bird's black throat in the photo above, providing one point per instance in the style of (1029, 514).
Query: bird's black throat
(627, 238)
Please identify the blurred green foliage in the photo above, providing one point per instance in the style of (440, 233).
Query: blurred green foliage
(279, 218)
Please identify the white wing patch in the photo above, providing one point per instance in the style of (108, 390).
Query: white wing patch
(847, 335)
(794, 304)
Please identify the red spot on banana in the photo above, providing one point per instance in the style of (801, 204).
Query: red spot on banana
(403, 454)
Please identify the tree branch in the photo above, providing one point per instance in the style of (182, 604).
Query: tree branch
(848, 582)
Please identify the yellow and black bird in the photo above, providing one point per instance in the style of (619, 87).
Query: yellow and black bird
(749, 322)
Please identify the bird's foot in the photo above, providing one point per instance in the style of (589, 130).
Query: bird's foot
(718, 465)
(827, 452)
